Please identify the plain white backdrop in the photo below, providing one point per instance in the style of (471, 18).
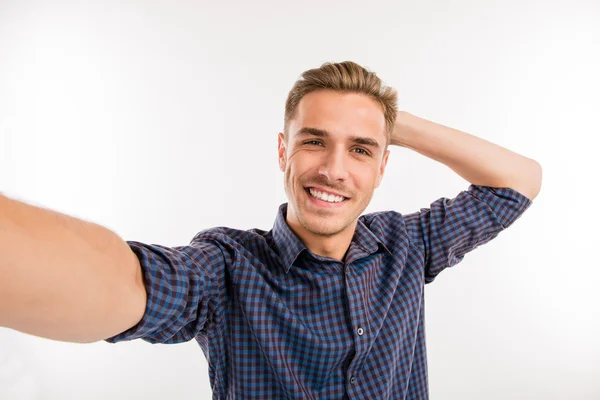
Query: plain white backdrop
(160, 119)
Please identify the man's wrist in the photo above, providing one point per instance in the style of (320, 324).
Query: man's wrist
(401, 130)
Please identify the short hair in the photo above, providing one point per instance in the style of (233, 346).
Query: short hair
(346, 76)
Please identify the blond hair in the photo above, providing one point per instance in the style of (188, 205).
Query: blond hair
(346, 76)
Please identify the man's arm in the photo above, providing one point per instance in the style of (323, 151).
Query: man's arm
(64, 278)
(478, 161)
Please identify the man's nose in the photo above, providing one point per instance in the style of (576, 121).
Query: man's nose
(334, 166)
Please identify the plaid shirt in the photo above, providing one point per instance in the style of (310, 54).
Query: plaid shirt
(276, 321)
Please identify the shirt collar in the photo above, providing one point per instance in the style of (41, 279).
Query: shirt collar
(364, 242)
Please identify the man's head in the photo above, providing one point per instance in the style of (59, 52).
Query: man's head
(338, 122)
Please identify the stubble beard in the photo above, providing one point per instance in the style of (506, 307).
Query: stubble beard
(326, 228)
(325, 223)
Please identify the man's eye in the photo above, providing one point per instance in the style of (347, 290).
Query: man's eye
(312, 141)
(362, 150)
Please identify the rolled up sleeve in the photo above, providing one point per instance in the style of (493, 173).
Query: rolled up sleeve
(450, 228)
(182, 290)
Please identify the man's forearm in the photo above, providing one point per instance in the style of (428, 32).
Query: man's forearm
(477, 160)
(63, 278)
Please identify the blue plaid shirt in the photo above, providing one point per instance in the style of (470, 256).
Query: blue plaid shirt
(276, 321)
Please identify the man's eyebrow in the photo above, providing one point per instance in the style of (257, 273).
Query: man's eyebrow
(365, 141)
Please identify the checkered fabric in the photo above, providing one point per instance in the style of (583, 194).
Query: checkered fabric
(276, 321)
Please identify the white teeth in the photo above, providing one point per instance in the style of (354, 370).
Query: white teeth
(325, 197)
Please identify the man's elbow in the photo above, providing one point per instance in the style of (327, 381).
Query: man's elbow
(530, 182)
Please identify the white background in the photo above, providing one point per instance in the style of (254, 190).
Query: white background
(160, 119)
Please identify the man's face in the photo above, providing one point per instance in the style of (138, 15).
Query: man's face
(336, 145)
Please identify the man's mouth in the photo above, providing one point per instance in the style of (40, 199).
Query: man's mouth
(324, 196)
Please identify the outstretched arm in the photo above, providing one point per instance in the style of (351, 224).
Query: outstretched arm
(64, 278)
(478, 161)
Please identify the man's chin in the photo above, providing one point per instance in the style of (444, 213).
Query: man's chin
(321, 225)
(324, 231)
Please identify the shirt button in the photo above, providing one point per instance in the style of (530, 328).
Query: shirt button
(360, 331)
(352, 379)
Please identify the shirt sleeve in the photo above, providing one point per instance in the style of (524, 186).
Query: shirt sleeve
(451, 228)
(182, 290)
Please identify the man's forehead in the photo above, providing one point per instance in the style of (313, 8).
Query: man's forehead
(340, 114)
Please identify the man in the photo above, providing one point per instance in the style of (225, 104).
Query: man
(328, 304)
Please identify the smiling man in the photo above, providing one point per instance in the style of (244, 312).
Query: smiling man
(328, 304)
(333, 161)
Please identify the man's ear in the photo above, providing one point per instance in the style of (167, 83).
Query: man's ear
(281, 151)
(382, 168)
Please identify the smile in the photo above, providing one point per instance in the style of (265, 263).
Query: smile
(322, 198)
